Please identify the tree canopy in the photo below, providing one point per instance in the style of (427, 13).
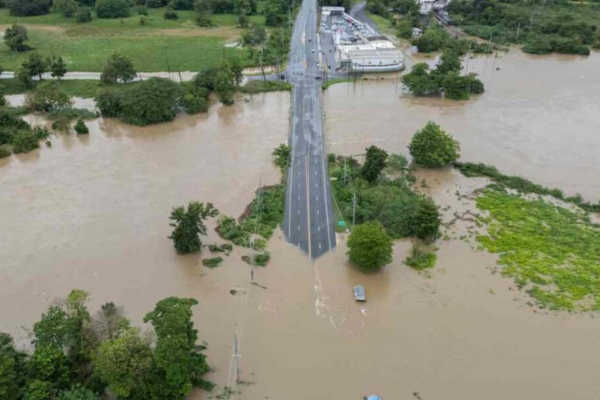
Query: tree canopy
(369, 246)
(189, 225)
(112, 8)
(118, 67)
(25, 8)
(151, 101)
(432, 147)
(374, 164)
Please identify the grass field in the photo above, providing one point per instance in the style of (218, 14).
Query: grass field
(78, 88)
(85, 47)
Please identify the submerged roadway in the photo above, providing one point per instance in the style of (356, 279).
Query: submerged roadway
(309, 221)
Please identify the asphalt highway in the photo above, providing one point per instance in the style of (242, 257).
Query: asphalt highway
(309, 221)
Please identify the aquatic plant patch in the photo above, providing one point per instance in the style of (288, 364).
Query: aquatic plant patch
(550, 251)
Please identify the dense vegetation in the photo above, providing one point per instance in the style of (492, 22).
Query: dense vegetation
(16, 135)
(542, 27)
(445, 79)
(392, 202)
(77, 356)
(550, 251)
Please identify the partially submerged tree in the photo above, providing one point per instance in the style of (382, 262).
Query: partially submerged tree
(427, 220)
(178, 357)
(432, 147)
(374, 164)
(189, 225)
(369, 246)
(151, 101)
(48, 97)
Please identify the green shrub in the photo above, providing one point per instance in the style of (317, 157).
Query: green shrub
(223, 248)
(170, 14)
(81, 128)
(212, 262)
(109, 102)
(420, 260)
(48, 96)
(259, 260)
(24, 141)
(4, 151)
(112, 8)
(192, 104)
(83, 15)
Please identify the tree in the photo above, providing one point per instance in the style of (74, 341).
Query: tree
(243, 20)
(151, 101)
(375, 163)
(369, 247)
(433, 39)
(206, 78)
(57, 66)
(109, 322)
(171, 14)
(189, 225)
(406, 6)
(39, 390)
(66, 326)
(48, 97)
(421, 82)
(109, 102)
(67, 8)
(405, 29)
(255, 36)
(49, 364)
(80, 127)
(83, 15)
(432, 147)
(15, 37)
(178, 356)
(182, 4)
(427, 220)
(117, 67)
(2, 98)
(282, 156)
(450, 62)
(203, 12)
(225, 84)
(112, 8)
(193, 104)
(35, 65)
(12, 369)
(125, 364)
(25, 8)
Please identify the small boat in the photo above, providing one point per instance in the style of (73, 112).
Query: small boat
(360, 295)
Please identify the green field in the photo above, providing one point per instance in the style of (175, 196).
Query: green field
(160, 45)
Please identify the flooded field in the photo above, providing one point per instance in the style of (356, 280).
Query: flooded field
(538, 118)
(92, 213)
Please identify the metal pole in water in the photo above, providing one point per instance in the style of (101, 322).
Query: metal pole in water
(237, 358)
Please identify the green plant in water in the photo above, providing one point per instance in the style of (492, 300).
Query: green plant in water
(420, 260)
(550, 251)
(212, 262)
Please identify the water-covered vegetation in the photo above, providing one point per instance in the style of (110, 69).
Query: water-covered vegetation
(551, 251)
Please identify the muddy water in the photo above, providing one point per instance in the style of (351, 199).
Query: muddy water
(91, 212)
(539, 118)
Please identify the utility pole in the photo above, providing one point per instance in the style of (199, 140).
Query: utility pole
(237, 358)
(345, 172)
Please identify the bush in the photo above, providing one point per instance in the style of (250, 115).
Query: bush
(420, 260)
(432, 147)
(81, 128)
(26, 8)
(283, 155)
(374, 164)
(152, 101)
(24, 141)
(212, 262)
(2, 92)
(142, 10)
(426, 224)
(369, 247)
(259, 260)
(433, 39)
(48, 97)
(170, 14)
(62, 118)
(112, 8)
(110, 103)
(15, 37)
(4, 151)
(83, 15)
(67, 8)
(192, 104)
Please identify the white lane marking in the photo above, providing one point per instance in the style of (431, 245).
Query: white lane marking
(298, 211)
(317, 198)
(319, 228)
(298, 197)
(298, 227)
(319, 245)
(298, 184)
(317, 212)
(315, 172)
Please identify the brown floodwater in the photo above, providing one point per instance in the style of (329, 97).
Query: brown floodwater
(91, 212)
(539, 118)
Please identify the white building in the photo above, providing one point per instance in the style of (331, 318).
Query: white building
(386, 60)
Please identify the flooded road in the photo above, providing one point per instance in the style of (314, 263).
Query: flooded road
(539, 118)
(92, 213)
